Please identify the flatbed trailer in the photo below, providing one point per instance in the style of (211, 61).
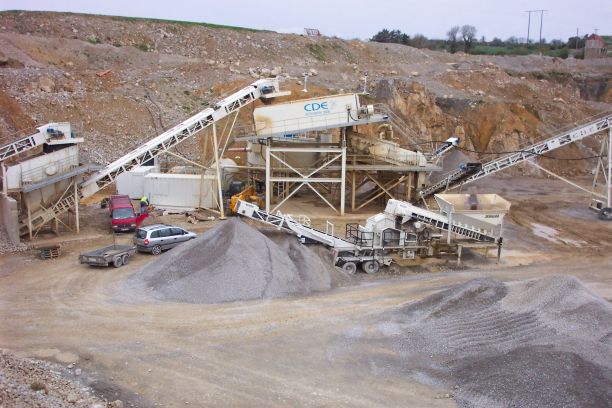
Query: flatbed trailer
(116, 255)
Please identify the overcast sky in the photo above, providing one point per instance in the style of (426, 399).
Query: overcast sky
(360, 19)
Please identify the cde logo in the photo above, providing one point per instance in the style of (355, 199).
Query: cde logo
(315, 106)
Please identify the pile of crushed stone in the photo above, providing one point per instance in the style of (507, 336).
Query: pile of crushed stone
(7, 247)
(536, 343)
(234, 261)
(26, 382)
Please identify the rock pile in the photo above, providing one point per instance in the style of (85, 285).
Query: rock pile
(33, 383)
(234, 261)
(537, 343)
(7, 247)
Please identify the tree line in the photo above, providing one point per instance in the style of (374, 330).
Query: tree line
(463, 38)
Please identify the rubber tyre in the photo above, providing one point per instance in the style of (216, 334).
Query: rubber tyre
(117, 262)
(156, 250)
(350, 268)
(370, 267)
(125, 259)
(605, 214)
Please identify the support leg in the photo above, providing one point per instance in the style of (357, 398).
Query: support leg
(76, 208)
(268, 183)
(609, 181)
(218, 167)
(343, 179)
(29, 221)
(353, 188)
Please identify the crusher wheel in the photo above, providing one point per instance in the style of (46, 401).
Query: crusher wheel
(350, 268)
(370, 267)
(605, 214)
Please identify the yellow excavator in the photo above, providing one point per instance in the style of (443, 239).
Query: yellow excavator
(249, 194)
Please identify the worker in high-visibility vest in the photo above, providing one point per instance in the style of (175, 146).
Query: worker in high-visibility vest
(144, 205)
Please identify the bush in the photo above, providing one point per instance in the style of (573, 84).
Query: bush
(143, 46)
(317, 51)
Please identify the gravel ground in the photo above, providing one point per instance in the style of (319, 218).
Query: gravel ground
(234, 261)
(34, 383)
(536, 343)
(7, 247)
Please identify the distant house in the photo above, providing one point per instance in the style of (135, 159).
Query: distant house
(595, 47)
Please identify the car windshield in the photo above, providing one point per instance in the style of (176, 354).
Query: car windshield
(123, 213)
(141, 234)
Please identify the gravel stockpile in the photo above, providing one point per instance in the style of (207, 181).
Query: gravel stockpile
(538, 343)
(27, 382)
(7, 247)
(234, 261)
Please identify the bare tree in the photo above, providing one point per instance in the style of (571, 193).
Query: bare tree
(452, 38)
(419, 41)
(468, 33)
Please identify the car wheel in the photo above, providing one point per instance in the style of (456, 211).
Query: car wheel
(156, 250)
(125, 259)
(117, 262)
(370, 267)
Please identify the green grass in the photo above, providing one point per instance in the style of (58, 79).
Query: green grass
(182, 22)
(94, 39)
(492, 50)
(317, 51)
(552, 75)
(143, 46)
(142, 19)
(559, 53)
(336, 46)
(518, 50)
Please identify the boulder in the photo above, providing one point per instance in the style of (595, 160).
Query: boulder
(46, 84)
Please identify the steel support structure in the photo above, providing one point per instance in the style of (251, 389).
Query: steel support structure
(603, 170)
(396, 185)
(298, 178)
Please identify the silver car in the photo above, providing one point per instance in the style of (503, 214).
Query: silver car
(159, 237)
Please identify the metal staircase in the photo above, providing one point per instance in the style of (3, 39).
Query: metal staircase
(41, 217)
(588, 128)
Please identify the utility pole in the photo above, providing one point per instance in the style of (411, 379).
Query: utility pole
(541, 21)
(596, 30)
(577, 31)
(529, 23)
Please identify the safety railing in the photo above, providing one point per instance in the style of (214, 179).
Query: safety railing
(49, 169)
